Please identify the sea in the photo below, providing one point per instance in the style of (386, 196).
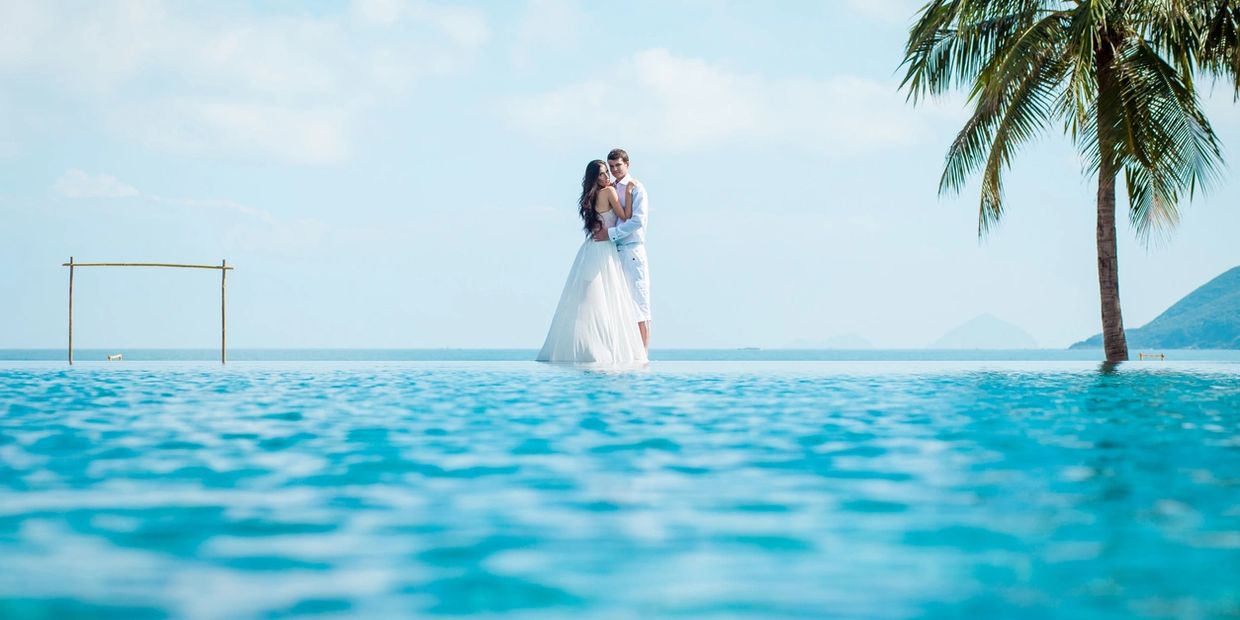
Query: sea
(709, 484)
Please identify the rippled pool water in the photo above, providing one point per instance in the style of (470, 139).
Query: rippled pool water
(815, 490)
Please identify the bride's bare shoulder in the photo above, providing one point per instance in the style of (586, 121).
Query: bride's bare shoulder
(607, 195)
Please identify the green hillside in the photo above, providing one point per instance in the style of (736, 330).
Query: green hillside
(1207, 318)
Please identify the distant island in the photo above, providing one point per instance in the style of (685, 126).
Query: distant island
(985, 332)
(1207, 318)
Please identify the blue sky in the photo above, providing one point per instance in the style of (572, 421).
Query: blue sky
(402, 174)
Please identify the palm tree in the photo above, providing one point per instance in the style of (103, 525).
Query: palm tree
(1120, 77)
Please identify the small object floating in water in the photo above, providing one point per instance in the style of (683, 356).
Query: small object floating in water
(1151, 356)
(748, 349)
(113, 358)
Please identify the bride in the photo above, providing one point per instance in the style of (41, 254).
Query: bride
(596, 321)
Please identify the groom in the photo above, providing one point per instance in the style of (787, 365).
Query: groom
(630, 238)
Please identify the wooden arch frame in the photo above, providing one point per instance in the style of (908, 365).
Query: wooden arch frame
(223, 267)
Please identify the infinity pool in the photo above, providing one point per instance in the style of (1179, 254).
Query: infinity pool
(709, 489)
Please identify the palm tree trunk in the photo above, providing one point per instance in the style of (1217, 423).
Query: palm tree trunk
(1114, 342)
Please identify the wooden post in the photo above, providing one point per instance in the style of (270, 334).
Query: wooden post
(70, 310)
(223, 322)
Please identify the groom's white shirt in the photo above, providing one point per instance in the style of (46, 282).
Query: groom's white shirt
(632, 230)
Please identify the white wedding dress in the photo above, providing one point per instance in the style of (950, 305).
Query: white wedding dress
(596, 321)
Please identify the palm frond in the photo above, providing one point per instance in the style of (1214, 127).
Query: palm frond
(1152, 217)
(1220, 43)
(1033, 70)
(1167, 136)
(1009, 80)
(954, 39)
(1081, 89)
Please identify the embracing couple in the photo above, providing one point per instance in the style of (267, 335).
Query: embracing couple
(604, 313)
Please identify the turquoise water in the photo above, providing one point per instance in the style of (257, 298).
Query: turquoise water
(692, 489)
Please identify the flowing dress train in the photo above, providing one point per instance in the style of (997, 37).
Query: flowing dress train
(596, 320)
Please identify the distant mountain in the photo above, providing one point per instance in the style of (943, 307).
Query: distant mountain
(1207, 318)
(985, 332)
(841, 341)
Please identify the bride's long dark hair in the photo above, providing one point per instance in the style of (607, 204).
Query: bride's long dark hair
(589, 192)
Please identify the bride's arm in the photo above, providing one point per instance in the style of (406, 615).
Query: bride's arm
(640, 207)
(613, 200)
(626, 212)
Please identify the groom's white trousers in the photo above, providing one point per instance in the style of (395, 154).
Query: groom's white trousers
(637, 272)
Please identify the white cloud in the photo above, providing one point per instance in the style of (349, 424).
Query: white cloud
(247, 228)
(547, 27)
(466, 27)
(680, 103)
(221, 128)
(463, 25)
(241, 226)
(382, 12)
(79, 184)
(232, 81)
